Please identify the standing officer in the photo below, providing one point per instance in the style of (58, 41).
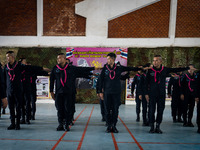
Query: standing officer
(2, 87)
(197, 97)
(109, 81)
(189, 86)
(135, 82)
(13, 76)
(155, 91)
(63, 74)
(176, 104)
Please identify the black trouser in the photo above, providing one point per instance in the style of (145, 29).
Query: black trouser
(112, 103)
(138, 104)
(14, 102)
(102, 108)
(188, 107)
(198, 114)
(26, 105)
(73, 109)
(159, 102)
(63, 105)
(33, 102)
(145, 109)
(144, 106)
(176, 105)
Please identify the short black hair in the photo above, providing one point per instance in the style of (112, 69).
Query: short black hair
(68, 59)
(61, 54)
(157, 55)
(191, 65)
(10, 52)
(112, 55)
(21, 59)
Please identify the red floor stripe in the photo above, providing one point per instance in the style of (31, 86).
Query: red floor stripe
(83, 135)
(54, 147)
(114, 141)
(131, 134)
(163, 143)
(25, 139)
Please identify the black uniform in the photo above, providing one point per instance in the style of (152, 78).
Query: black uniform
(145, 105)
(176, 104)
(109, 81)
(197, 95)
(64, 77)
(189, 86)
(2, 87)
(13, 77)
(135, 82)
(33, 79)
(155, 88)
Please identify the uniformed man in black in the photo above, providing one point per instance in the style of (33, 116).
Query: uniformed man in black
(189, 85)
(33, 79)
(155, 91)
(197, 98)
(2, 88)
(145, 105)
(63, 74)
(13, 76)
(135, 82)
(109, 82)
(174, 87)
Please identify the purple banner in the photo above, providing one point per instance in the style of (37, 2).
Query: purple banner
(93, 57)
(90, 57)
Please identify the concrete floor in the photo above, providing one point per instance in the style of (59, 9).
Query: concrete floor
(88, 133)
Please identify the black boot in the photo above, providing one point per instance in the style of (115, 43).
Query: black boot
(4, 111)
(60, 128)
(180, 120)
(174, 119)
(190, 124)
(198, 131)
(109, 129)
(157, 130)
(138, 118)
(114, 129)
(17, 127)
(22, 121)
(67, 128)
(152, 129)
(11, 127)
(28, 121)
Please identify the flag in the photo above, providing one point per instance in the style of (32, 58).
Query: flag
(69, 53)
(124, 53)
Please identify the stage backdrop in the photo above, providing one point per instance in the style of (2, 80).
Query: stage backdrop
(93, 57)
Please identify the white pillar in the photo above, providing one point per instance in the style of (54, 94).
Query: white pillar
(39, 18)
(172, 19)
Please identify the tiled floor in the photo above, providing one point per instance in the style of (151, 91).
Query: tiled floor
(88, 133)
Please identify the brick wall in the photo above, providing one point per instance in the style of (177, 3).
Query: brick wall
(60, 18)
(148, 22)
(18, 17)
(188, 18)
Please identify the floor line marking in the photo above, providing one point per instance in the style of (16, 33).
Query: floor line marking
(54, 147)
(83, 135)
(131, 134)
(114, 141)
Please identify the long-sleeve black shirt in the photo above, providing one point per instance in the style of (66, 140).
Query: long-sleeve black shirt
(135, 82)
(59, 76)
(110, 81)
(175, 83)
(2, 84)
(190, 84)
(141, 85)
(155, 81)
(13, 76)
